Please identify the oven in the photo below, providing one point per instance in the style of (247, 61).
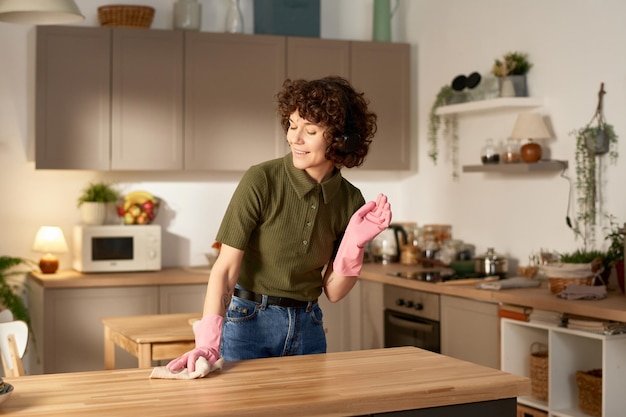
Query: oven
(411, 318)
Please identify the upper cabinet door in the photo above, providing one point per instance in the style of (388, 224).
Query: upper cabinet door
(312, 58)
(73, 85)
(230, 110)
(381, 71)
(147, 100)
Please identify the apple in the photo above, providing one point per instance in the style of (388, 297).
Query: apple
(148, 206)
(142, 218)
(129, 218)
(134, 210)
(120, 210)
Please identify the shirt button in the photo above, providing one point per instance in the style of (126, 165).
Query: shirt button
(313, 206)
(305, 242)
(308, 224)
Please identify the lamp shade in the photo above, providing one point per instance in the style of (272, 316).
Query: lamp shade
(40, 12)
(530, 126)
(50, 239)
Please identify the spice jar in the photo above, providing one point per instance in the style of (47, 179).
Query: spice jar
(489, 153)
(511, 152)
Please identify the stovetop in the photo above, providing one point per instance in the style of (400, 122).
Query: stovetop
(432, 276)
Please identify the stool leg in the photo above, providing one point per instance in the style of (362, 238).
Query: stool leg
(145, 355)
(109, 349)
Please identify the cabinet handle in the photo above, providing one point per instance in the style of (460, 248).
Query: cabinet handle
(420, 327)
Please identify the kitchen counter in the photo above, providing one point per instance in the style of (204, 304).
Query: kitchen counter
(167, 276)
(611, 308)
(334, 384)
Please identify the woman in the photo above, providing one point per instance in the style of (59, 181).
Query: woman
(294, 226)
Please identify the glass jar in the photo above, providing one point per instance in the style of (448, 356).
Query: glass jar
(489, 153)
(187, 15)
(234, 18)
(511, 152)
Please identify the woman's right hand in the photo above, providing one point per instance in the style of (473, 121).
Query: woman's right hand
(208, 332)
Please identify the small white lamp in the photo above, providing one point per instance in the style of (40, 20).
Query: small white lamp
(530, 126)
(40, 12)
(49, 240)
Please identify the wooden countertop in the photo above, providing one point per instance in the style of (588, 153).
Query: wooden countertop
(167, 276)
(334, 384)
(611, 308)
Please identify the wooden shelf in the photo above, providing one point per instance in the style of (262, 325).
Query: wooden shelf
(491, 104)
(518, 168)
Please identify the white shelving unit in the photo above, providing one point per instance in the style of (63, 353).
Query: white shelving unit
(501, 103)
(569, 351)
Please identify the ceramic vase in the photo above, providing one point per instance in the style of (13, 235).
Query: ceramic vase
(93, 213)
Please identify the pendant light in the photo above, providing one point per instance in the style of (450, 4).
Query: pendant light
(40, 12)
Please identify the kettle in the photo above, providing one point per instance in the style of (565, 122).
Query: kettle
(386, 246)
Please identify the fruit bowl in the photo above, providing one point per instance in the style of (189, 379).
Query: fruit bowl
(138, 207)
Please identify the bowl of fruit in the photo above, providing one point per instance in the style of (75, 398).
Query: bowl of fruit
(138, 207)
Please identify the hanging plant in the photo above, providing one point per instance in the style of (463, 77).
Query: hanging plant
(593, 142)
(450, 128)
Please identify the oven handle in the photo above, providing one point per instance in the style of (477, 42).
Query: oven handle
(407, 324)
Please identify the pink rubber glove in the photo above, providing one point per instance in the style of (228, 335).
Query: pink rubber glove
(208, 334)
(365, 225)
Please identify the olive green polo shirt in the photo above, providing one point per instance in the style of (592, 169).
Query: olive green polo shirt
(287, 225)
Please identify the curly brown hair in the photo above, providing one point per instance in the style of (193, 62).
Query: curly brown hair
(333, 103)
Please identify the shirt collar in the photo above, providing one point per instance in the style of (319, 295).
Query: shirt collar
(303, 184)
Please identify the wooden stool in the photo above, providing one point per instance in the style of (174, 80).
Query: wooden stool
(149, 338)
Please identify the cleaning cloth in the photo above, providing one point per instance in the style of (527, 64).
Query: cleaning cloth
(202, 369)
(515, 282)
(583, 292)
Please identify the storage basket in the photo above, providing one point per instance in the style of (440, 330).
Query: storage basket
(562, 274)
(539, 371)
(590, 391)
(118, 15)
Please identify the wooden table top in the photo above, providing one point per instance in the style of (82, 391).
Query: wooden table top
(334, 384)
(154, 328)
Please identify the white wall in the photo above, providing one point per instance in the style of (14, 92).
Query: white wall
(574, 44)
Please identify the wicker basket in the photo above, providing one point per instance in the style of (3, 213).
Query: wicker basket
(539, 371)
(562, 274)
(590, 391)
(119, 15)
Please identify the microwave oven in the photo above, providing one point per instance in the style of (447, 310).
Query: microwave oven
(117, 248)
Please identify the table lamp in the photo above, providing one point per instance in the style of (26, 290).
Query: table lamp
(530, 126)
(49, 240)
(40, 12)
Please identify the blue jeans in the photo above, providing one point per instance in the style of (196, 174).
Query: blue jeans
(257, 330)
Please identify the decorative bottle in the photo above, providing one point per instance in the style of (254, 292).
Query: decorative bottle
(187, 15)
(234, 18)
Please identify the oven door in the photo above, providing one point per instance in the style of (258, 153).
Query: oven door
(408, 330)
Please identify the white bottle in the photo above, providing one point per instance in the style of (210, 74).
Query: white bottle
(234, 18)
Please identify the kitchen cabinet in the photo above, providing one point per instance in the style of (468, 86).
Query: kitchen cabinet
(341, 336)
(470, 330)
(108, 99)
(230, 114)
(371, 317)
(68, 333)
(569, 351)
(72, 111)
(147, 100)
(382, 71)
(125, 99)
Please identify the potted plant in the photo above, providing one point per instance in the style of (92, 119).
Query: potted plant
(94, 201)
(10, 289)
(450, 124)
(513, 67)
(589, 166)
